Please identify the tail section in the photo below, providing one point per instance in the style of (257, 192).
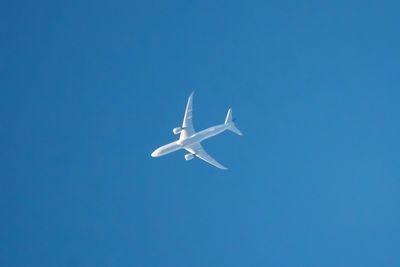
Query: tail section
(229, 121)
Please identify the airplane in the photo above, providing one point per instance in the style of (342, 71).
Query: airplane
(190, 140)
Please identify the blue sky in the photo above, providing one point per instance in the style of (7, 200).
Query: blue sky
(90, 88)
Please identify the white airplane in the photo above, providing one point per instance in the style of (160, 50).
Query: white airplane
(191, 141)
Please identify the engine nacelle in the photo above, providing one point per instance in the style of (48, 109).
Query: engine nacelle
(189, 156)
(177, 130)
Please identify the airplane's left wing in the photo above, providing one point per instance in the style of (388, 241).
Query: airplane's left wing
(199, 152)
(187, 124)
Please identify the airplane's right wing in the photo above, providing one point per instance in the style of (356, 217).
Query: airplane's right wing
(199, 152)
(187, 125)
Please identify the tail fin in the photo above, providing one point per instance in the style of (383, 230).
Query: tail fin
(231, 123)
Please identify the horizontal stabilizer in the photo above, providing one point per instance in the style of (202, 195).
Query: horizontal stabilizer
(230, 122)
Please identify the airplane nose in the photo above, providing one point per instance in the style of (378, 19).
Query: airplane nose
(155, 153)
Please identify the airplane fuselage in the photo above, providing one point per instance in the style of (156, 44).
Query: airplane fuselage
(191, 140)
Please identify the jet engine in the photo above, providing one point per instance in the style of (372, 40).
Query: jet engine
(189, 156)
(177, 130)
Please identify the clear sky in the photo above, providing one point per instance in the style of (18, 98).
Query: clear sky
(88, 89)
